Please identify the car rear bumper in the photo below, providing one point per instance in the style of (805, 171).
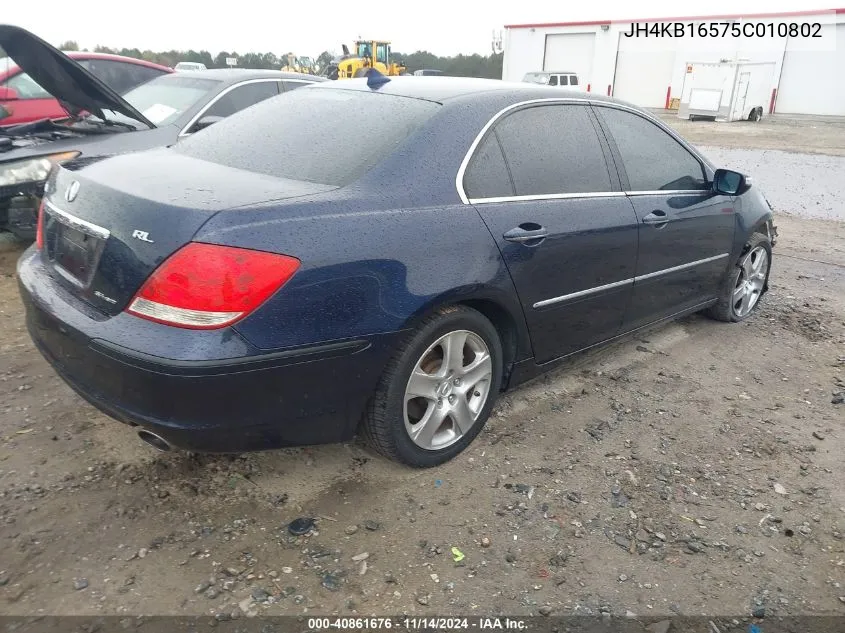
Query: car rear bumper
(254, 400)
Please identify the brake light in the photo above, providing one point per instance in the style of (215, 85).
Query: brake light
(39, 227)
(205, 286)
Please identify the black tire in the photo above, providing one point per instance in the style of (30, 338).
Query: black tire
(755, 115)
(383, 426)
(725, 308)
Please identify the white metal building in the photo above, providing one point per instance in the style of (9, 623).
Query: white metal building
(809, 76)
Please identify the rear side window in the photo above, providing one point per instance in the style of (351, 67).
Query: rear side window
(573, 80)
(487, 174)
(293, 85)
(306, 135)
(242, 97)
(119, 76)
(564, 80)
(553, 149)
(653, 160)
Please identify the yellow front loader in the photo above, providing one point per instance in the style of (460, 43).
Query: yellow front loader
(299, 64)
(368, 54)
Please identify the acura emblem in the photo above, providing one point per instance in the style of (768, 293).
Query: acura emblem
(72, 190)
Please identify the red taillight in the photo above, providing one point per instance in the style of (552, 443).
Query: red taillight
(204, 286)
(39, 227)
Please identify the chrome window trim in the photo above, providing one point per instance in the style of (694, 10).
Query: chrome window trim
(222, 94)
(554, 196)
(670, 192)
(77, 223)
(624, 282)
(591, 194)
(459, 177)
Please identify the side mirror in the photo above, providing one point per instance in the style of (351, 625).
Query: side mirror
(207, 121)
(8, 94)
(729, 183)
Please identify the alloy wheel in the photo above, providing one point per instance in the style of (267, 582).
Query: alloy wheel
(749, 284)
(447, 390)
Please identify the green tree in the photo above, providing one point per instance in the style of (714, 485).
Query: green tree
(324, 59)
(489, 66)
(69, 45)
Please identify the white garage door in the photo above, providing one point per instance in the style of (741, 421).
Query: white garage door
(644, 76)
(812, 81)
(571, 52)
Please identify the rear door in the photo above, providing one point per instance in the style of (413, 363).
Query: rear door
(685, 229)
(541, 182)
(741, 96)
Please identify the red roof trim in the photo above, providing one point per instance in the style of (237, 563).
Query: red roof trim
(696, 18)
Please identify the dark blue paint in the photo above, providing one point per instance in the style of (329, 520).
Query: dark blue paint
(376, 255)
(592, 242)
(697, 227)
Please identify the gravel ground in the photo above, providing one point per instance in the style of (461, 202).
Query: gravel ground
(810, 186)
(696, 469)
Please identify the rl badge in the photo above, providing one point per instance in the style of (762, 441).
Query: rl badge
(142, 235)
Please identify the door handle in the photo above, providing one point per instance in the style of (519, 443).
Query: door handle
(526, 232)
(657, 217)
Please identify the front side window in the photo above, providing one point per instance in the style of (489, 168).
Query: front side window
(573, 80)
(553, 80)
(653, 160)
(553, 149)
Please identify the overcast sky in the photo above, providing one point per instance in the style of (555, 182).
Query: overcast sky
(444, 27)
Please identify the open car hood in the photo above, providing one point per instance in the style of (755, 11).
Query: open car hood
(76, 88)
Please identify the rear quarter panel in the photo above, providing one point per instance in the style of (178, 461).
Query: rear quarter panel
(379, 254)
(369, 271)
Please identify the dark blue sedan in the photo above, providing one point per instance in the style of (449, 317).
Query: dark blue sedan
(293, 276)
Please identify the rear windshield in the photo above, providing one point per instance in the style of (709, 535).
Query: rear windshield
(326, 136)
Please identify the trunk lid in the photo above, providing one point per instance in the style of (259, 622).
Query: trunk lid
(109, 223)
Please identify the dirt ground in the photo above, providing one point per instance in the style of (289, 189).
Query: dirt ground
(696, 469)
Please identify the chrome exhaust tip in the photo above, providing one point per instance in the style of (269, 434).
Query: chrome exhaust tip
(156, 441)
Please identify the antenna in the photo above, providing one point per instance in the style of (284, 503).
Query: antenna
(496, 42)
